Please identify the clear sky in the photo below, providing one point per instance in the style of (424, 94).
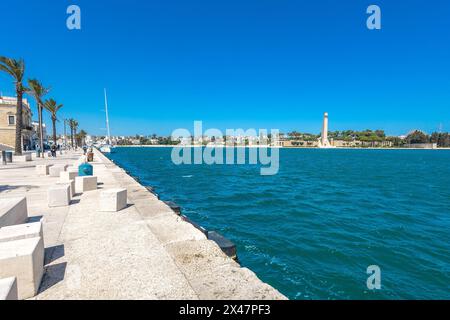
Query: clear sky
(237, 63)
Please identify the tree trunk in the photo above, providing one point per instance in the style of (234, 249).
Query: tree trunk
(54, 130)
(19, 108)
(71, 137)
(41, 131)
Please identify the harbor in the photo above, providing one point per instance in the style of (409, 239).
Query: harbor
(145, 251)
(224, 158)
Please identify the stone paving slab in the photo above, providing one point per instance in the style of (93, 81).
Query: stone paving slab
(144, 251)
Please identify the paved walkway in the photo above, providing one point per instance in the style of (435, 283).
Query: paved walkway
(142, 252)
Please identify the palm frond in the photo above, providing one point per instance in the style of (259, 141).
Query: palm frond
(51, 106)
(37, 90)
(15, 68)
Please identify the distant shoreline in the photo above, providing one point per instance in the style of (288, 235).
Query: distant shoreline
(339, 148)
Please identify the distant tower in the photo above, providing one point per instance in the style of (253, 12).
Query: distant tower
(323, 141)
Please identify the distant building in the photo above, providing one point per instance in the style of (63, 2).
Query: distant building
(8, 107)
(298, 143)
(421, 145)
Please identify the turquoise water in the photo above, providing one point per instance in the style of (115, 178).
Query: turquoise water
(312, 230)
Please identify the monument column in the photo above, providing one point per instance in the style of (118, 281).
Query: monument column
(325, 130)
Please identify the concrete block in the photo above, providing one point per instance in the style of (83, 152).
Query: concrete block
(59, 196)
(71, 183)
(43, 169)
(23, 259)
(21, 231)
(56, 170)
(13, 211)
(66, 176)
(22, 158)
(8, 289)
(113, 200)
(72, 168)
(83, 184)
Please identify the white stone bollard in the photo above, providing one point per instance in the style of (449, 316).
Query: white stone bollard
(23, 158)
(71, 184)
(8, 289)
(113, 200)
(13, 211)
(23, 259)
(43, 169)
(56, 170)
(22, 231)
(72, 168)
(66, 176)
(59, 196)
(86, 183)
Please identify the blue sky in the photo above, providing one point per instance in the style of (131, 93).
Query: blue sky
(237, 63)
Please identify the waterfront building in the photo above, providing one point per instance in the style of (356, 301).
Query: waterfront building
(421, 145)
(8, 108)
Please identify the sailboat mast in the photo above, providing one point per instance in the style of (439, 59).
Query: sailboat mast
(107, 118)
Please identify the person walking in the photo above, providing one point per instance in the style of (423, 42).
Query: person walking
(53, 150)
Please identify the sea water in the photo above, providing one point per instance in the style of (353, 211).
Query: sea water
(312, 230)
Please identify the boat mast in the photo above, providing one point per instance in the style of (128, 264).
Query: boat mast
(107, 118)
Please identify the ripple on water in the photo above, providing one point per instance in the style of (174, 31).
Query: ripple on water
(312, 230)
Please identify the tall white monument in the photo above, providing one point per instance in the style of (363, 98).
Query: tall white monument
(323, 140)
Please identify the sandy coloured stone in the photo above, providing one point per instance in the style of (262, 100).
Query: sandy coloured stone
(71, 184)
(66, 176)
(13, 211)
(43, 169)
(8, 289)
(21, 231)
(23, 259)
(113, 200)
(22, 158)
(56, 170)
(59, 195)
(86, 183)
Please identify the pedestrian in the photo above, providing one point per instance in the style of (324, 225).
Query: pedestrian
(53, 150)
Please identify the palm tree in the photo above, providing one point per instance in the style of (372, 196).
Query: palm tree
(16, 69)
(70, 122)
(53, 108)
(73, 124)
(81, 137)
(75, 127)
(38, 91)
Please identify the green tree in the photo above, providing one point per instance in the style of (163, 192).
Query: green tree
(417, 137)
(75, 128)
(81, 137)
(72, 125)
(38, 91)
(441, 139)
(16, 69)
(53, 108)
